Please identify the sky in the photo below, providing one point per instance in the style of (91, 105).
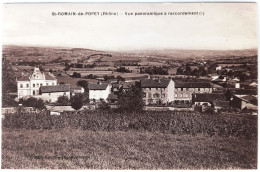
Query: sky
(224, 26)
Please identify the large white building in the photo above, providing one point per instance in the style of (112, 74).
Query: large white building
(30, 85)
(98, 91)
(52, 93)
(158, 91)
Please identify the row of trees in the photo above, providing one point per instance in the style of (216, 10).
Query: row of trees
(186, 70)
(155, 70)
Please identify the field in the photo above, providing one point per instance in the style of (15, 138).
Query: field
(74, 149)
(113, 140)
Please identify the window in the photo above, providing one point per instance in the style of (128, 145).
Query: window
(40, 84)
(64, 93)
(198, 89)
(37, 84)
(53, 83)
(163, 95)
(27, 85)
(21, 85)
(176, 95)
(156, 95)
(47, 84)
(150, 89)
(33, 85)
(149, 95)
(187, 89)
(49, 94)
(156, 88)
(33, 92)
(181, 89)
(180, 95)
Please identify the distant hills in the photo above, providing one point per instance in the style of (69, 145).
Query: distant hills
(45, 54)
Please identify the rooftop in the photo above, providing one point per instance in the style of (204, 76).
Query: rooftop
(149, 83)
(97, 86)
(192, 85)
(209, 97)
(55, 88)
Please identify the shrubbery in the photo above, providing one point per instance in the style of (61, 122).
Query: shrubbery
(179, 123)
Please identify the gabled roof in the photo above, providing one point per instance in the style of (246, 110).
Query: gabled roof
(244, 91)
(59, 108)
(192, 85)
(149, 83)
(208, 97)
(49, 77)
(23, 78)
(96, 86)
(55, 88)
(249, 99)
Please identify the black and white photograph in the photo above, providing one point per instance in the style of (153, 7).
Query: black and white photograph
(129, 86)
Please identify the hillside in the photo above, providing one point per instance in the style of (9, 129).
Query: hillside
(49, 54)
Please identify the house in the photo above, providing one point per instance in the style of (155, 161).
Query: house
(30, 85)
(244, 101)
(207, 98)
(98, 91)
(184, 90)
(253, 84)
(218, 68)
(220, 104)
(51, 93)
(158, 91)
(243, 98)
(76, 90)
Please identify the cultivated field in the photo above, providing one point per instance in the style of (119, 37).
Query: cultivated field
(104, 140)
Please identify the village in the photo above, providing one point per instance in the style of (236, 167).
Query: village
(101, 79)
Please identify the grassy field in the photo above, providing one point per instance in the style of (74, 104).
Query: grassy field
(73, 149)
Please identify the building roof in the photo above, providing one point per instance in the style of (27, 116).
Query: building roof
(97, 86)
(49, 77)
(244, 91)
(249, 99)
(208, 97)
(192, 85)
(112, 96)
(55, 88)
(23, 78)
(149, 83)
(223, 104)
(59, 108)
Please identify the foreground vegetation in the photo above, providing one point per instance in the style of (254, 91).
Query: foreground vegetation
(114, 140)
(178, 123)
(74, 149)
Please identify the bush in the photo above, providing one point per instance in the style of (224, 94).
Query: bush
(170, 122)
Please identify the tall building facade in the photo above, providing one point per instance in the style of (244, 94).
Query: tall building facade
(30, 85)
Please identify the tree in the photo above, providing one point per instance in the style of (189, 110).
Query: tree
(76, 102)
(76, 75)
(83, 84)
(179, 71)
(131, 100)
(63, 100)
(8, 84)
(33, 102)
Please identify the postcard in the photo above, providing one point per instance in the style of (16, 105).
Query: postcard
(139, 86)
